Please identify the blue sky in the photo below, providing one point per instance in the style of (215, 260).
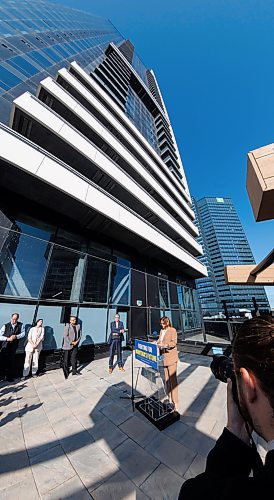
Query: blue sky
(214, 63)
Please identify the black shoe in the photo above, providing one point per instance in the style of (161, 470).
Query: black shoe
(10, 379)
(77, 373)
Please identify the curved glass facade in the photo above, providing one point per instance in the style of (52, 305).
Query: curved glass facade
(42, 278)
(37, 38)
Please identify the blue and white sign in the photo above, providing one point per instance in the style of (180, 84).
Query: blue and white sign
(147, 353)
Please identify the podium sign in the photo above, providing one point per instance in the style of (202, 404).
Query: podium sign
(147, 353)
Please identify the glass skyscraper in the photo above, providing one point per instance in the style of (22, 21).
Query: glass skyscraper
(95, 213)
(38, 37)
(224, 243)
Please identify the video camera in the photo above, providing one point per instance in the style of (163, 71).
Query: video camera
(222, 369)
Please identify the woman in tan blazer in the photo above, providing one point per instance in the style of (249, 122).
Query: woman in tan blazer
(167, 344)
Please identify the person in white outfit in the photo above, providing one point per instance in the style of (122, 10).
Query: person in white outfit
(33, 348)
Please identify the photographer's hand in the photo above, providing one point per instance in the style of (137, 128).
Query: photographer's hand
(235, 422)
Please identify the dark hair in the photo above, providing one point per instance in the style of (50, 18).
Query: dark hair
(166, 320)
(36, 322)
(15, 314)
(253, 348)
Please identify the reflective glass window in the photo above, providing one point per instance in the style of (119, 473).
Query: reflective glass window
(164, 293)
(52, 54)
(64, 275)
(37, 56)
(96, 280)
(119, 285)
(24, 66)
(93, 323)
(138, 288)
(153, 291)
(22, 264)
(8, 78)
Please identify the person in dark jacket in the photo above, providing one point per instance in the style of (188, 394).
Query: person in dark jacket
(10, 334)
(115, 342)
(72, 337)
(234, 456)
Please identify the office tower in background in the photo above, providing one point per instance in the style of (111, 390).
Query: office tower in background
(96, 211)
(224, 242)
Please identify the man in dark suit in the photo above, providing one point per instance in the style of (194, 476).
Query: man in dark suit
(10, 334)
(234, 456)
(115, 342)
(72, 336)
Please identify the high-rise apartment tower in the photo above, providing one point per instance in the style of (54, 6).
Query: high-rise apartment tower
(96, 213)
(224, 242)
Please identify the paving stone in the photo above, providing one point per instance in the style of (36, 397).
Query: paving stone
(24, 489)
(13, 463)
(108, 435)
(73, 489)
(136, 462)
(197, 441)
(13, 475)
(162, 483)
(11, 443)
(51, 469)
(118, 487)
(176, 431)
(93, 465)
(176, 456)
(116, 414)
(141, 431)
(196, 467)
(39, 440)
(76, 441)
(65, 425)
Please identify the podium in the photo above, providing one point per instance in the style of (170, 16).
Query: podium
(156, 406)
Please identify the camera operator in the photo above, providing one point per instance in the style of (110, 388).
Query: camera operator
(230, 462)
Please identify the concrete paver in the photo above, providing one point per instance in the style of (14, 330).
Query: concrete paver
(162, 480)
(76, 439)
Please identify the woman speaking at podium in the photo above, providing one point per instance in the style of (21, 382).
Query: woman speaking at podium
(167, 344)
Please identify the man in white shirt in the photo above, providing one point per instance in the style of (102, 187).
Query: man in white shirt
(10, 334)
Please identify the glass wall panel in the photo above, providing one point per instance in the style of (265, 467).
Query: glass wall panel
(119, 285)
(139, 326)
(93, 322)
(154, 320)
(22, 264)
(138, 288)
(188, 298)
(63, 279)
(164, 293)
(153, 291)
(96, 280)
(173, 293)
(180, 292)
